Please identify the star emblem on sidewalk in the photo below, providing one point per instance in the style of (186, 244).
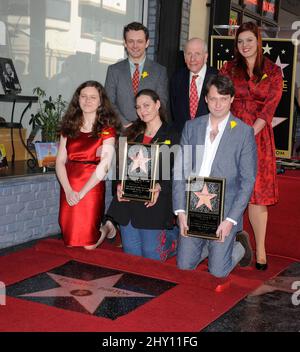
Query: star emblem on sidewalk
(89, 294)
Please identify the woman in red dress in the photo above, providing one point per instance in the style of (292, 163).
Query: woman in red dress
(258, 88)
(84, 156)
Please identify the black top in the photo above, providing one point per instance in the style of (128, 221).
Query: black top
(160, 216)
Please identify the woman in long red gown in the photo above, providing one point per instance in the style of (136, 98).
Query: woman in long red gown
(258, 88)
(86, 148)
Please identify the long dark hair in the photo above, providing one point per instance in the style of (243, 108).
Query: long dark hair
(240, 61)
(138, 127)
(73, 118)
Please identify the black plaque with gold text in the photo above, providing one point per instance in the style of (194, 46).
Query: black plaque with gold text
(205, 206)
(139, 171)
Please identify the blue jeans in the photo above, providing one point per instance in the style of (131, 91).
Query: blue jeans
(108, 194)
(154, 244)
(222, 256)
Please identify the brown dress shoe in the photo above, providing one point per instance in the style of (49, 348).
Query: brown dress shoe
(243, 238)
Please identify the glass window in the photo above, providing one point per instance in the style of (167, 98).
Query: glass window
(58, 44)
(251, 5)
(233, 21)
(269, 9)
(249, 19)
(58, 9)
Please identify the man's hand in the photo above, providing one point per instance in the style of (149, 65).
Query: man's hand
(182, 223)
(224, 230)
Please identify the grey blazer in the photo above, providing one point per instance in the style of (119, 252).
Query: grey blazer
(235, 160)
(118, 86)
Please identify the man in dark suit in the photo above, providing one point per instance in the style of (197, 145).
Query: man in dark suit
(187, 84)
(125, 78)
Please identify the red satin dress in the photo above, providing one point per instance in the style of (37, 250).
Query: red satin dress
(80, 223)
(259, 100)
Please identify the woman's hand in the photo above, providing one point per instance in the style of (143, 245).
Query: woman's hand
(120, 194)
(72, 197)
(155, 191)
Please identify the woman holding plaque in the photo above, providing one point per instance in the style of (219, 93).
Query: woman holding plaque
(85, 152)
(258, 88)
(147, 228)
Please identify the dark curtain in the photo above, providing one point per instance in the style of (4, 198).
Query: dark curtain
(169, 28)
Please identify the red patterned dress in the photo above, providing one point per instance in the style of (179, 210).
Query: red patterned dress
(259, 100)
(80, 223)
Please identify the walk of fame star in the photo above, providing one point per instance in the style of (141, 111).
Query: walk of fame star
(205, 197)
(88, 293)
(90, 289)
(139, 161)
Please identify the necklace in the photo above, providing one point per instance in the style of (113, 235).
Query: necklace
(87, 126)
(152, 132)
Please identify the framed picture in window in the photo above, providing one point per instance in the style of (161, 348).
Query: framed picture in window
(8, 76)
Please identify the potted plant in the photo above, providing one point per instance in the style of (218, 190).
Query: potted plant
(48, 116)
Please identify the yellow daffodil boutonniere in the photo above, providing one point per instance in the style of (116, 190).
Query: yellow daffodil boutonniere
(264, 76)
(145, 74)
(103, 133)
(232, 124)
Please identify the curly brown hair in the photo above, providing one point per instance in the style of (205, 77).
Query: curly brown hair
(73, 118)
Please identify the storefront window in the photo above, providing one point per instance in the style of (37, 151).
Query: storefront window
(269, 9)
(251, 5)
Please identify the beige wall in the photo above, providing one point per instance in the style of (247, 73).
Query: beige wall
(199, 19)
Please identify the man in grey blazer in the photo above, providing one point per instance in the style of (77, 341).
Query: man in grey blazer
(221, 146)
(121, 90)
(119, 85)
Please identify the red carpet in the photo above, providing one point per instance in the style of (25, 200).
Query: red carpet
(284, 221)
(196, 300)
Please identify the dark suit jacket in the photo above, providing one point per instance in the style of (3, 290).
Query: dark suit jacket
(160, 216)
(179, 97)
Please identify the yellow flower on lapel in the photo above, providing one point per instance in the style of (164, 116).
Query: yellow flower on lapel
(232, 124)
(145, 74)
(167, 141)
(264, 76)
(103, 133)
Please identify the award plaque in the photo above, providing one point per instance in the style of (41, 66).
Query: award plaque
(139, 171)
(205, 206)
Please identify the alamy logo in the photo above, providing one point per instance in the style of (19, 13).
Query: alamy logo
(296, 35)
(2, 294)
(296, 294)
